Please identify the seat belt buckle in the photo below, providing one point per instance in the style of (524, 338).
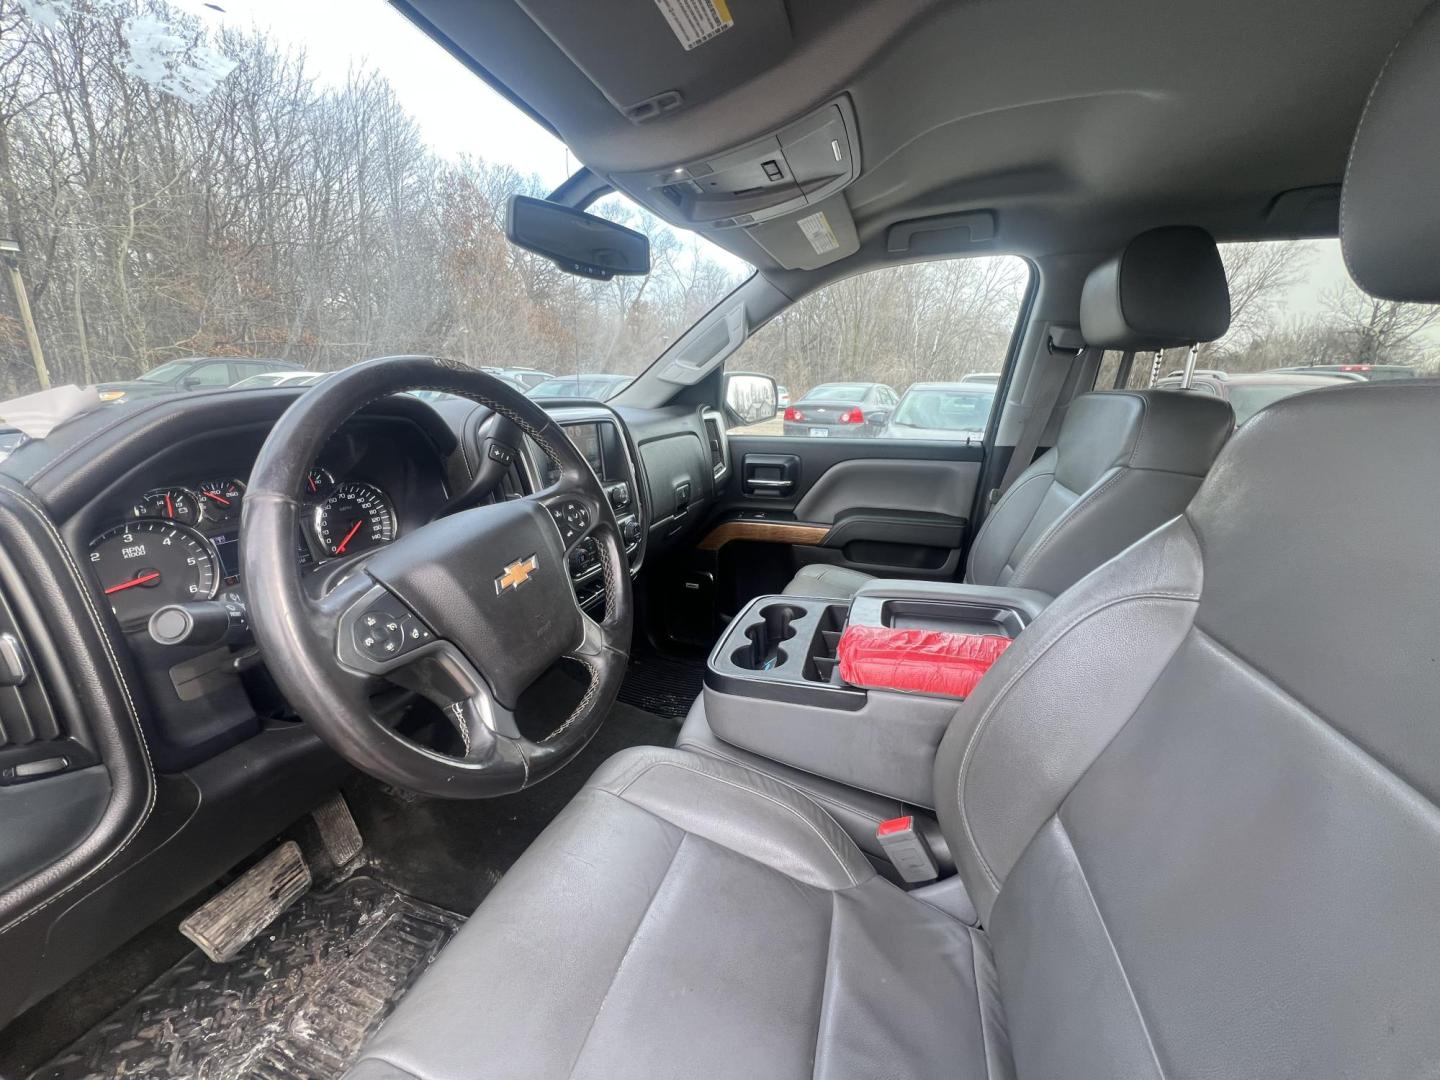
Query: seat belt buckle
(907, 850)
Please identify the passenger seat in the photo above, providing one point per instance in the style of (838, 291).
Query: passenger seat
(1126, 461)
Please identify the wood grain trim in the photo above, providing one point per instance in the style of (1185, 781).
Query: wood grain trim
(766, 532)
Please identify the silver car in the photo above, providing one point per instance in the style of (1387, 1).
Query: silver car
(942, 411)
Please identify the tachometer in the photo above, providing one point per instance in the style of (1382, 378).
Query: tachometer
(172, 504)
(356, 516)
(144, 565)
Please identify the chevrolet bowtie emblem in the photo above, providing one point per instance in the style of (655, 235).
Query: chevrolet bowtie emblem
(516, 574)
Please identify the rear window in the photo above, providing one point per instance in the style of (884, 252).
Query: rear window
(837, 392)
(1295, 312)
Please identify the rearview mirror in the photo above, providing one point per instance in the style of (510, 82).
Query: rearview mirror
(577, 242)
(751, 398)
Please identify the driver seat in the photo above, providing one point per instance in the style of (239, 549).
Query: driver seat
(1195, 805)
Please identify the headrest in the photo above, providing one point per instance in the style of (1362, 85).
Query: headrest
(1165, 289)
(1166, 430)
(1320, 565)
(1389, 213)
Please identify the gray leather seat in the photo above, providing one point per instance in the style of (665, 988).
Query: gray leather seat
(1124, 462)
(1195, 805)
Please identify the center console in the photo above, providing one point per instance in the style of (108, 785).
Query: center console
(599, 436)
(773, 684)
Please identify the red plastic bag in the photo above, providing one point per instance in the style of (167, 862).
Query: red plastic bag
(927, 661)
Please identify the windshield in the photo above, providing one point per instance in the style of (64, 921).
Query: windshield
(265, 180)
(944, 409)
(597, 388)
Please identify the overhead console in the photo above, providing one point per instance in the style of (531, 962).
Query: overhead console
(795, 174)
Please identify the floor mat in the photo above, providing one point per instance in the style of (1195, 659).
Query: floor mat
(663, 685)
(296, 1004)
(452, 852)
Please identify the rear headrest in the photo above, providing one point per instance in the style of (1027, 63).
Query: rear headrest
(1166, 288)
(1166, 430)
(1389, 209)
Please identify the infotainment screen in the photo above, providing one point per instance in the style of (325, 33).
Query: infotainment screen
(586, 438)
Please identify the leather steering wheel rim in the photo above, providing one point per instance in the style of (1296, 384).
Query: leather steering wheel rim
(481, 600)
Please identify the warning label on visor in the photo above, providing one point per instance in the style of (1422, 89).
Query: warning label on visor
(695, 22)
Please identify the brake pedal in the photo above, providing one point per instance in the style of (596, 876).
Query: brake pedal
(338, 832)
(230, 920)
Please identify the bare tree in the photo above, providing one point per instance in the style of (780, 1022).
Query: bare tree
(1379, 331)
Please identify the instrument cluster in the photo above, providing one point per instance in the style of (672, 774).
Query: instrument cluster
(181, 543)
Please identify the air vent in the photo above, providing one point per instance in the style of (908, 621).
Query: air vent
(715, 439)
(31, 742)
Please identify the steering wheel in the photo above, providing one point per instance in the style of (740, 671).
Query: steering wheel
(468, 610)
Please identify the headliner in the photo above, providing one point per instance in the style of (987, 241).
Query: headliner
(1079, 125)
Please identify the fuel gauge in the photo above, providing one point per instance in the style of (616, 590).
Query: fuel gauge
(318, 484)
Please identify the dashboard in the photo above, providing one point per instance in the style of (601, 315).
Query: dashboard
(136, 510)
(604, 446)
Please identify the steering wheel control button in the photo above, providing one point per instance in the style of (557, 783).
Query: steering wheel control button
(414, 633)
(501, 453)
(378, 634)
(572, 517)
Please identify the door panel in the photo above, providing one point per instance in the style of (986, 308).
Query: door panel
(886, 507)
(888, 483)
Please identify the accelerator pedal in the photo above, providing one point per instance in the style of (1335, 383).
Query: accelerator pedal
(339, 834)
(242, 909)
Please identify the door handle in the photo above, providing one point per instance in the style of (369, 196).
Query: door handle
(772, 475)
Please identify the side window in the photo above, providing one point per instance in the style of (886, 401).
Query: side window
(244, 370)
(209, 376)
(908, 352)
(1297, 323)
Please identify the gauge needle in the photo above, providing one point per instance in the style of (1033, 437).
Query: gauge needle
(340, 548)
(143, 579)
(311, 481)
(218, 498)
(169, 506)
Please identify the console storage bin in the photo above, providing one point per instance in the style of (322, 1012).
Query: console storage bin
(772, 685)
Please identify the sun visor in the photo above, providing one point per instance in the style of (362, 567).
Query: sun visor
(654, 57)
(820, 234)
(801, 165)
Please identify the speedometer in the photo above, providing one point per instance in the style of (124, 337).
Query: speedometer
(144, 565)
(354, 517)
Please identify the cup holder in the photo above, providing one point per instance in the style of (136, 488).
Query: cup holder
(763, 653)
